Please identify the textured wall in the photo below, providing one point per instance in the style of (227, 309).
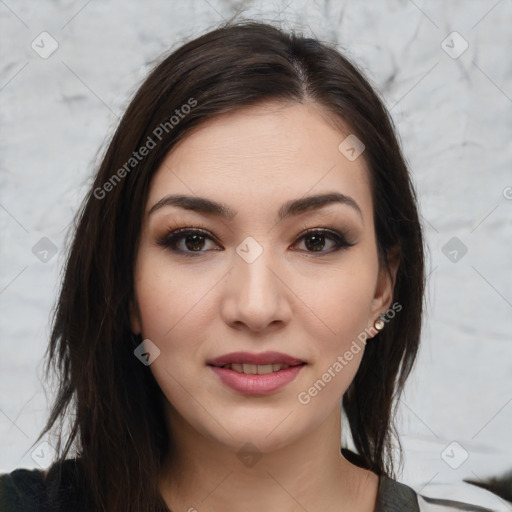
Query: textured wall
(452, 106)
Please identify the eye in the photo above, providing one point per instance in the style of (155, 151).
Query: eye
(315, 240)
(193, 240)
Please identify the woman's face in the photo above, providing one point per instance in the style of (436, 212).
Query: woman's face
(251, 280)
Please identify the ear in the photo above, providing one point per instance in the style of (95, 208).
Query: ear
(385, 286)
(134, 317)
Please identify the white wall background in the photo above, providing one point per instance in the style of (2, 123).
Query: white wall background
(454, 116)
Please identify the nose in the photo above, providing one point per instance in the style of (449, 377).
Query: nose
(256, 295)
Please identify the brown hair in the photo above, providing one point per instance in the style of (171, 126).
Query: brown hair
(118, 424)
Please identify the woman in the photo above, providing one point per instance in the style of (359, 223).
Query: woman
(248, 262)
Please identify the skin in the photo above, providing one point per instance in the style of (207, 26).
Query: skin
(291, 299)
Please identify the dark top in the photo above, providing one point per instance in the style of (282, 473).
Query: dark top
(33, 490)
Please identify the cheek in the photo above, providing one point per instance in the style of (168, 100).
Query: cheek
(342, 304)
(165, 298)
(169, 307)
(342, 300)
(342, 307)
(176, 314)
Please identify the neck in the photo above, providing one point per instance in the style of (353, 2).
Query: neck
(307, 474)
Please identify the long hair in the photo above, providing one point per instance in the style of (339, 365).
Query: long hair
(113, 403)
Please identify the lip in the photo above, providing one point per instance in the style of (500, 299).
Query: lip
(251, 358)
(257, 384)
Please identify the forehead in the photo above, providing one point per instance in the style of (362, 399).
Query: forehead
(263, 154)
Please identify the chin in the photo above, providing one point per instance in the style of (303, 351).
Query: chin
(265, 435)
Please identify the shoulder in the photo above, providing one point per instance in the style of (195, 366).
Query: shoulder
(394, 496)
(23, 489)
(60, 487)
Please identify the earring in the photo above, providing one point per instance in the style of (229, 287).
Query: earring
(379, 323)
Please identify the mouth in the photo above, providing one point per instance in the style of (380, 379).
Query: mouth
(256, 374)
(251, 360)
(257, 369)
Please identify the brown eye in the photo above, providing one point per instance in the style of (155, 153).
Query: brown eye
(315, 240)
(194, 242)
(186, 241)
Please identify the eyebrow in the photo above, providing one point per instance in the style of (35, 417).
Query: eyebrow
(291, 208)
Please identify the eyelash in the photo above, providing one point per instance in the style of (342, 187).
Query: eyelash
(170, 239)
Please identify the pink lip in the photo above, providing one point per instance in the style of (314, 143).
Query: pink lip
(257, 384)
(248, 357)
